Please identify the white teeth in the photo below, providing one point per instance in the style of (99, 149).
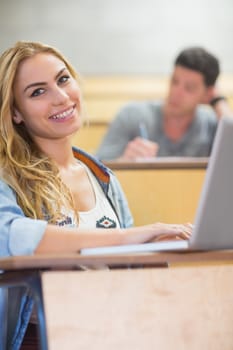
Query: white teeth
(62, 115)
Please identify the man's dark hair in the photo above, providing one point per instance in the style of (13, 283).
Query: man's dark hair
(200, 60)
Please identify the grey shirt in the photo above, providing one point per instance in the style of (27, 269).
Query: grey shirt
(197, 141)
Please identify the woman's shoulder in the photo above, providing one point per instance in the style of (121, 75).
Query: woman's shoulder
(4, 187)
(99, 169)
(7, 194)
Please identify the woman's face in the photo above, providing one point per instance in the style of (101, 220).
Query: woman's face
(47, 98)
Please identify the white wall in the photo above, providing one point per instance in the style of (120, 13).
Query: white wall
(121, 36)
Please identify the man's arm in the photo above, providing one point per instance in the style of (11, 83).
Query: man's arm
(219, 103)
(116, 137)
(123, 140)
(221, 106)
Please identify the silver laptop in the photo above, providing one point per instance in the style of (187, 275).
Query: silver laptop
(213, 225)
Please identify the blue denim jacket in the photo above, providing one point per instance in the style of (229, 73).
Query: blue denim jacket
(20, 235)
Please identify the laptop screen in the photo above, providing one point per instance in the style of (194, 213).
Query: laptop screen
(213, 228)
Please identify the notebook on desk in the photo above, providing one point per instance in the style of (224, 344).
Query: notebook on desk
(213, 224)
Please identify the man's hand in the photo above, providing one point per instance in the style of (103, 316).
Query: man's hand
(218, 102)
(139, 148)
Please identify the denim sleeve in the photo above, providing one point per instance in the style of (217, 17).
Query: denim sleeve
(120, 203)
(19, 235)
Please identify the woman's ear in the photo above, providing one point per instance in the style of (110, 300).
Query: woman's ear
(17, 118)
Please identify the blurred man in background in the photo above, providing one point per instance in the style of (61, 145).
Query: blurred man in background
(180, 126)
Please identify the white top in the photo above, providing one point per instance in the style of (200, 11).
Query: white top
(101, 216)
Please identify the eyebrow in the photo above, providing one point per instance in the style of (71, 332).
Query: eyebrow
(39, 83)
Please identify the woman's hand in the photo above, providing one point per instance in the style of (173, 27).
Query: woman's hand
(173, 232)
(156, 232)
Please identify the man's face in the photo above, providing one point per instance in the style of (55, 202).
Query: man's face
(187, 90)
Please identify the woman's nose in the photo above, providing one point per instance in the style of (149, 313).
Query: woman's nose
(59, 96)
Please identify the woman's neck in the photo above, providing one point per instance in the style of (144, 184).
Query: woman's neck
(60, 151)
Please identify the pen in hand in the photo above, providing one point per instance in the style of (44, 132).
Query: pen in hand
(143, 131)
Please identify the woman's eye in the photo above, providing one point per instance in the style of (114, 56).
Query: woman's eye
(37, 92)
(63, 79)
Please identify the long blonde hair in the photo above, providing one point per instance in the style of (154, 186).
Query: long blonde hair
(23, 166)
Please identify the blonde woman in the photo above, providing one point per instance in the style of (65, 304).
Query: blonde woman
(53, 198)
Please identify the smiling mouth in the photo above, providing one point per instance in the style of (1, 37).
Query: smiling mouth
(63, 115)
